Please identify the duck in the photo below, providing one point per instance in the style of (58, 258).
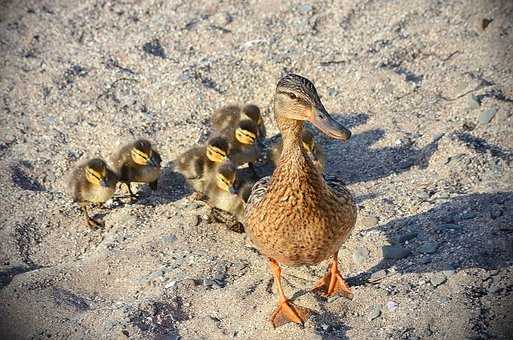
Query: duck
(199, 164)
(228, 116)
(315, 151)
(243, 146)
(297, 216)
(228, 202)
(91, 183)
(137, 162)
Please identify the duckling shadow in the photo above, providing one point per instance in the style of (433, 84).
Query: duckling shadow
(357, 161)
(171, 188)
(471, 231)
(482, 146)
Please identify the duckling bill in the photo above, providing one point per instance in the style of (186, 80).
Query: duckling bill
(92, 183)
(243, 147)
(138, 162)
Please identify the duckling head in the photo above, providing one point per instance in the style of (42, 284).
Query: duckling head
(225, 177)
(308, 140)
(217, 149)
(96, 172)
(296, 99)
(246, 132)
(253, 112)
(142, 154)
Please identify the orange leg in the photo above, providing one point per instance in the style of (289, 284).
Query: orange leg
(333, 283)
(286, 311)
(91, 222)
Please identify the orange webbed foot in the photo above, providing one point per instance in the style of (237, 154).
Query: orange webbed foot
(332, 284)
(288, 312)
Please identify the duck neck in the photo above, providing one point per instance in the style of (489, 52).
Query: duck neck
(293, 154)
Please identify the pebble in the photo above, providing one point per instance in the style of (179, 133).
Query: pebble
(473, 102)
(426, 260)
(171, 238)
(449, 272)
(370, 221)
(449, 227)
(193, 220)
(379, 275)
(395, 252)
(437, 279)
(332, 92)
(374, 313)
(306, 8)
(495, 213)
(391, 306)
(360, 255)
(486, 116)
(407, 237)
(468, 215)
(429, 247)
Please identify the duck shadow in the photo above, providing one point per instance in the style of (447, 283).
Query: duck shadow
(357, 161)
(471, 231)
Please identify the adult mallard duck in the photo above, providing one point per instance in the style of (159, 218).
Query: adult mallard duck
(298, 216)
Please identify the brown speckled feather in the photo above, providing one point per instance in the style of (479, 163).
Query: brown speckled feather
(296, 216)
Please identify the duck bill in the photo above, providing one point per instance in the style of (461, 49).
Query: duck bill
(104, 183)
(232, 190)
(324, 122)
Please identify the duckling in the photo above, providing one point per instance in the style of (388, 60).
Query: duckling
(229, 116)
(227, 203)
(137, 162)
(92, 182)
(315, 151)
(243, 148)
(253, 112)
(198, 165)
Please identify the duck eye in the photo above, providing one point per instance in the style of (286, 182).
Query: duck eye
(291, 95)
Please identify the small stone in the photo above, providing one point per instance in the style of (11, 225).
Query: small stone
(473, 102)
(374, 313)
(306, 8)
(449, 227)
(449, 272)
(395, 252)
(429, 247)
(332, 92)
(438, 279)
(377, 276)
(407, 237)
(154, 48)
(370, 221)
(492, 289)
(194, 220)
(496, 213)
(426, 259)
(360, 255)
(486, 116)
(391, 305)
(468, 215)
(171, 238)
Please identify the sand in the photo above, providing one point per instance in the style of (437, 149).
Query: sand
(426, 88)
